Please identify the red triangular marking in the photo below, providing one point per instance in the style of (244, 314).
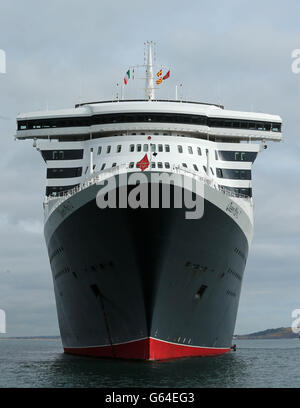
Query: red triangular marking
(144, 163)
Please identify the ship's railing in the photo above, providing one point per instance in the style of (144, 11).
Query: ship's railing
(124, 168)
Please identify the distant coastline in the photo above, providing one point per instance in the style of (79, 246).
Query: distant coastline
(279, 333)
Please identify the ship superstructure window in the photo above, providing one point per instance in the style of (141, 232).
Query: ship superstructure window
(167, 148)
(234, 174)
(131, 165)
(238, 190)
(131, 148)
(160, 147)
(199, 151)
(108, 149)
(135, 117)
(119, 148)
(153, 165)
(146, 148)
(190, 149)
(138, 148)
(53, 190)
(195, 167)
(167, 165)
(153, 147)
(62, 154)
(65, 172)
(160, 165)
(184, 165)
(180, 150)
(236, 156)
(99, 150)
(103, 166)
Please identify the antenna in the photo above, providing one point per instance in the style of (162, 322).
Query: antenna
(149, 88)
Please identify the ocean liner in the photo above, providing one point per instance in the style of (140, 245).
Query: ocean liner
(147, 282)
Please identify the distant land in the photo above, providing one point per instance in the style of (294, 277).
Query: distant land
(279, 333)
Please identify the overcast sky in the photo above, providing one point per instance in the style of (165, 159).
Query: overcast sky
(234, 51)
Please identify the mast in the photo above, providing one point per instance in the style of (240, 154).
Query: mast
(149, 88)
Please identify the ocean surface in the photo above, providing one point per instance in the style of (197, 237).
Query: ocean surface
(40, 363)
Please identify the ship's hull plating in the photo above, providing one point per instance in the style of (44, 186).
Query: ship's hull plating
(146, 283)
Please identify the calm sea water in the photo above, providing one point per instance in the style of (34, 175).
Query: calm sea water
(256, 363)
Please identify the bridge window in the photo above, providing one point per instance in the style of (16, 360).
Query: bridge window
(234, 174)
(167, 148)
(66, 172)
(180, 150)
(62, 154)
(190, 149)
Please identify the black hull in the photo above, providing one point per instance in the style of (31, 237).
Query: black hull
(127, 279)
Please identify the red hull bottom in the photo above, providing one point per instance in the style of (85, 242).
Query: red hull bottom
(146, 349)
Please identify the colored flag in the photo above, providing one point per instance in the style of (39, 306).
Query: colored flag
(159, 73)
(144, 163)
(127, 77)
(159, 81)
(167, 75)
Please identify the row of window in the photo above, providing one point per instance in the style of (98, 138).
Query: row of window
(137, 148)
(53, 190)
(68, 172)
(73, 154)
(238, 190)
(226, 155)
(77, 154)
(65, 172)
(148, 117)
(234, 174)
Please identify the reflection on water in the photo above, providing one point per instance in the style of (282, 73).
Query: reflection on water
(193, 372)
(41, 363)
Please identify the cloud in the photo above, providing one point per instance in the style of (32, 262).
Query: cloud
(62, 51)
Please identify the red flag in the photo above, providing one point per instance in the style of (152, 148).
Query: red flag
(167, 75)
(144, 163)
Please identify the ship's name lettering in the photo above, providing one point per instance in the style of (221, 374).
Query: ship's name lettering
(65, 209)
(234, 210)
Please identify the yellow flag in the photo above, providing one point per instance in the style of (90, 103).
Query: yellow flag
(159, 73)
(159, 81)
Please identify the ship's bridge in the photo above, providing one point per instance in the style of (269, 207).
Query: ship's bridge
(121, 117)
